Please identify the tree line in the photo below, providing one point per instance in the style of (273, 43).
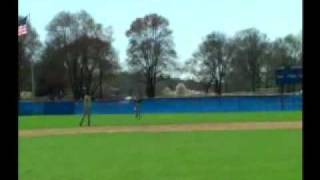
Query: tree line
(78, 56)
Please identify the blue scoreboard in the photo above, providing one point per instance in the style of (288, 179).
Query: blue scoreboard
(288, 76)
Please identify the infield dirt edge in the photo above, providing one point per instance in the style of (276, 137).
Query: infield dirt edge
(161, 128)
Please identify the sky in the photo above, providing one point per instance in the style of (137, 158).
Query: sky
(190, 20)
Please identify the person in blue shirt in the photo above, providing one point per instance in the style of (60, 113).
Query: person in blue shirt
(137, 107)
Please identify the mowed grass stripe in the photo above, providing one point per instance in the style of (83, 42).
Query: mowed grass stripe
(68, 121)
(241, 155)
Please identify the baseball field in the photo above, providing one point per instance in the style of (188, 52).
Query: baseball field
(189, 146)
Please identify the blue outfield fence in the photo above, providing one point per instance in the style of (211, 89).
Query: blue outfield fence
(169, 105)
(33, 108)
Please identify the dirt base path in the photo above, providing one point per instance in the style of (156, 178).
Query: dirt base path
(162, 128)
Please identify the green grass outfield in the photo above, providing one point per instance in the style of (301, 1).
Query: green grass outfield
(221, 155)
(67, 121)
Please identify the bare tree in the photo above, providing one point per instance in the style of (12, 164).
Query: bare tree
(151, 49)
(210, 63)
(251, 48)
(283, 52)
(51, 74)
(86, 49)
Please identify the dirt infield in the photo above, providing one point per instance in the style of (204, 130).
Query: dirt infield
(162, 128)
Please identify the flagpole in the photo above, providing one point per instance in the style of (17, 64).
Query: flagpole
(32, 72)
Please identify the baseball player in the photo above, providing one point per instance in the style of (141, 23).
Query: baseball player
(86, 109)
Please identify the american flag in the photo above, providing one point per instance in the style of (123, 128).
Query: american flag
(22, 28)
